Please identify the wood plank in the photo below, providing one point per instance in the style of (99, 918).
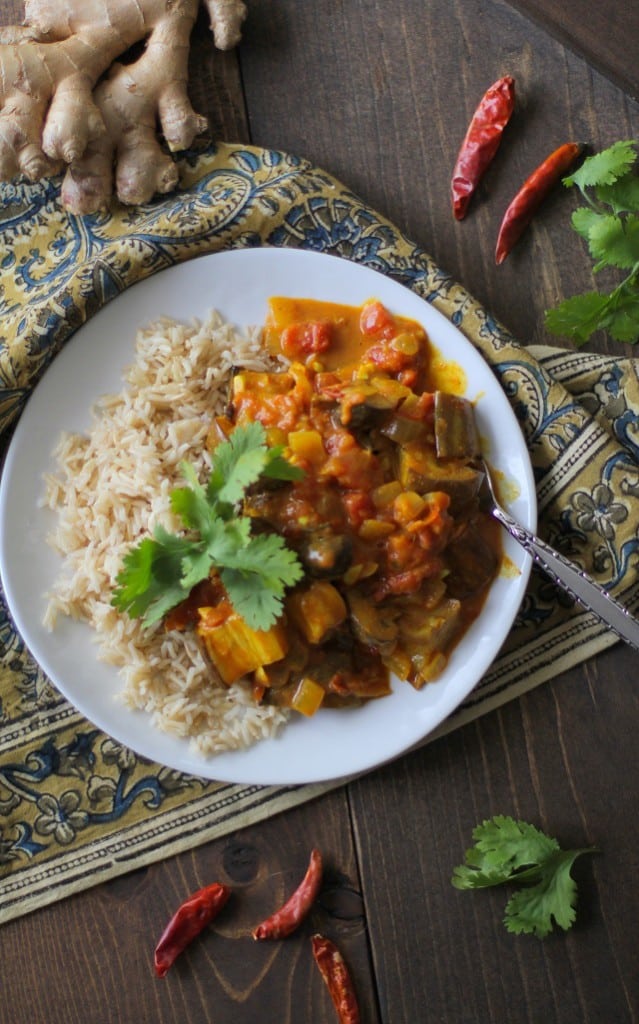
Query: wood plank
(554, 758)
(12, 12)
(383, 102)
(606, 35)
(390, 105)
(215, 85)
(90, 957)
(389, 126)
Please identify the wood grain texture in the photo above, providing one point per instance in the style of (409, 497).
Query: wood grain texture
(12, 12)
(215, 86)
(90, 957)
(380, 94)
(551, 758)
(605, 35)
(383, 103)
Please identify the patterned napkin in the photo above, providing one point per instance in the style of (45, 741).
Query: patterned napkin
(77, 808)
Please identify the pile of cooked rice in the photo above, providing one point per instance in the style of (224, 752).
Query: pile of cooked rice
(111, 488)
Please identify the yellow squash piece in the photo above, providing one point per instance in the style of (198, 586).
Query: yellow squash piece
(308, 697)
(234, 648)
(307, 444)
(316, 610)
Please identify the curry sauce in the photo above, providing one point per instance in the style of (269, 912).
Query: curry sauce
(386, 519)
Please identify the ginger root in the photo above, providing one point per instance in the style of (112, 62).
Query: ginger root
(57, 109)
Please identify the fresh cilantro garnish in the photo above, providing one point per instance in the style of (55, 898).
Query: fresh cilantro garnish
(160, 571)
(609, 222)
(506, 850)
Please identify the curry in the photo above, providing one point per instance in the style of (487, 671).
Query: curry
(386, 519)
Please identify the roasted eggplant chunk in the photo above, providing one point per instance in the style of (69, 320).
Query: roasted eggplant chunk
(420, 470)
(456, 435)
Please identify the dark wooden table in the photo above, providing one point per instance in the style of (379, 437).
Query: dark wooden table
(379, 93)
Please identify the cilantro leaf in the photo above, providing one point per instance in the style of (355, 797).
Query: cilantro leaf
(190, 503)
(240, 461)
(502, 845)
(149, 583)
(217, 546)
(531, 910)
(604, 168)
(260, 609)
(621, 319)
(610, 226)
(279, 468)
(244, 470)
(614, 242)
(584, 219)
(267, 556)
(160, 571)
(622, 196)
(256, 578)
(579, 316)
(509, 851)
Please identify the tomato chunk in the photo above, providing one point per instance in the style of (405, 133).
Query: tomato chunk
(376, 319)
(304, 339)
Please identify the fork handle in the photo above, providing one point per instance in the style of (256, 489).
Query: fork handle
(578, 584)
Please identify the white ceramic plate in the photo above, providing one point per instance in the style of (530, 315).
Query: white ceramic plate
(238, 283)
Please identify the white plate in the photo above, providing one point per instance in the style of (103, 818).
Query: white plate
(238, 283)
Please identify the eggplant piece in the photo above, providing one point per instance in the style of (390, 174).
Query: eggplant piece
(456, 435)
(433, 630)
(362, 403)
(472, 564)
(292, 666)
(373, 625)
(362, 417)
(263, 505)
(346, 675)
(419, 469)
(402, 429)
(325, 555)
(367, 681)
(426, 637)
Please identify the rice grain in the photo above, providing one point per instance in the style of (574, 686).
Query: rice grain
(112, 487)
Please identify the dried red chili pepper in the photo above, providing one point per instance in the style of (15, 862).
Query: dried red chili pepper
(288, 917)
(481, 142)
(532, 194)
(338, 980)
(188, 921)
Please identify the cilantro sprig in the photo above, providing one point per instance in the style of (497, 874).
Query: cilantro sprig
(609, 223)
(255, 570)
(509, 851)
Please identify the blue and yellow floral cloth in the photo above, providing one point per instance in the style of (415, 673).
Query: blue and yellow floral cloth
(77, 808)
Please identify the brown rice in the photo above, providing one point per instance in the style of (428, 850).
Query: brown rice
(112, 486)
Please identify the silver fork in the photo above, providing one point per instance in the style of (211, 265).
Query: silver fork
(565, 574)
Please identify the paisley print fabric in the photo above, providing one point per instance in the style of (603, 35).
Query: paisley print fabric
(76, 807)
